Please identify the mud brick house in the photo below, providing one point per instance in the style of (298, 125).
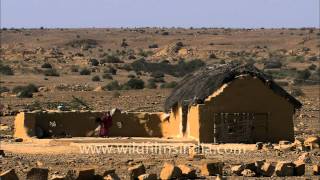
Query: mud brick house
(232, 104)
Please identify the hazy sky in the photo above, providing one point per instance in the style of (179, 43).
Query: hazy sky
(160, 13)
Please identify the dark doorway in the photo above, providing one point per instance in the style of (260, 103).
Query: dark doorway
(240, 127)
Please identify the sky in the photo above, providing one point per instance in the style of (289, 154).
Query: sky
(159, 13)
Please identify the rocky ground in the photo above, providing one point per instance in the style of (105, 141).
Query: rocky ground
(59, 164)
(306, 125)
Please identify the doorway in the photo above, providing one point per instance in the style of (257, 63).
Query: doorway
(240, 127)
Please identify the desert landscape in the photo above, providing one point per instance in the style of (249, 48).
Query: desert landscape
(135, 70)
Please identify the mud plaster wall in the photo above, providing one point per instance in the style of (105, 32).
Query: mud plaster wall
(80, 124)
(248, 94)
(172, 127)
(193, 128)
(25, 128)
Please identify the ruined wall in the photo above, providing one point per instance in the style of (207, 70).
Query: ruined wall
(172, 127)
(136, 124)
(81, 124)
(248, 94)
(25, 125)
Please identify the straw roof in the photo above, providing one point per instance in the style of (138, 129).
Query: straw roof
(195, 88)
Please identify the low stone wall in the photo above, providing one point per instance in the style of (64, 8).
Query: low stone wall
(83, 124)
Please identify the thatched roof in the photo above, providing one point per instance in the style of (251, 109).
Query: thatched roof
(195, 88)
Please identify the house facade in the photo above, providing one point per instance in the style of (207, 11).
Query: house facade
(248, 108)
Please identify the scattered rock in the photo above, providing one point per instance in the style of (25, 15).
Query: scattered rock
(196, 156)
(136, 171)
(251, 166)
(107, 172)
(312, 142)
(98, 89)
(188, 172)
(148, 177)
(299, 168)
(112, 176)
(259, 145)
(170, 171)
(298, 144)
(237, 169)
(9, 175)
(58, 177)
(258, 166)
(248, 173)
(284, 168)
(316, 169)
(18, 139)
(39, 163)
(284, 147)
(43, 89)
(211, 169)
(4, 127)
(284, 142)
(267, 146)
(38, 174)
(219, 177)
(267, 169)
(305, 157)
(81, 174)
(2, 153)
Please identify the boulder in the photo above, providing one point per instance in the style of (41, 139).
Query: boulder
(211, 168)
(299, 168)
(258, 165)
(267, 169)
(9, 175)
(316, 170)
(170, 171)
(312, 142)
(248, 173)
(284, 168)
(38, 174)
(251, 166)
(187, 172)
(147, 177)
(136, 171)
(237, 169)
(81, 174)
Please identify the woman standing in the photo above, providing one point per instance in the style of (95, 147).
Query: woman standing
(105, 124)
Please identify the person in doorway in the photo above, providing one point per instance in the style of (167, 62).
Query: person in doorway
(105, 124)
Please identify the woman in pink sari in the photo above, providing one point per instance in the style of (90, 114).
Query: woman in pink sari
(105, 124)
